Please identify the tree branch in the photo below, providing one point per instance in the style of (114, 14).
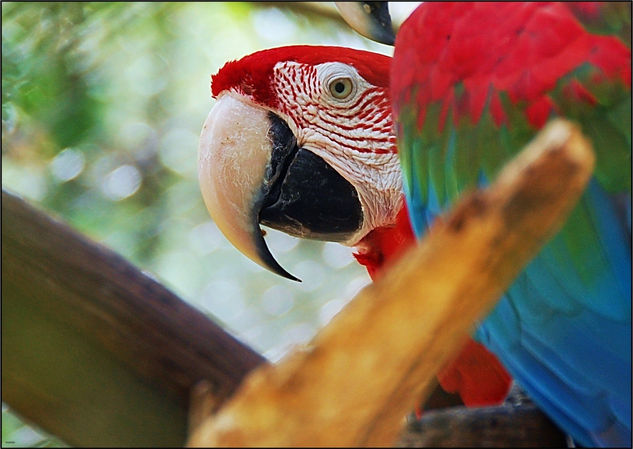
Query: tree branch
(93, 350)
(97, 353)
(357, 379)
(516, 423)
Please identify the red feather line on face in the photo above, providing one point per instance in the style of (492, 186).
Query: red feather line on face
(521, 49)
(364, 126)
(253, 73)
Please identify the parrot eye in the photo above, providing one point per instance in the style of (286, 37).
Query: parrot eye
(341, 88)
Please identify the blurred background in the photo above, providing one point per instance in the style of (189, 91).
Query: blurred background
(102, 106)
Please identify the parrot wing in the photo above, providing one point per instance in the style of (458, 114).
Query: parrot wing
(471, 85)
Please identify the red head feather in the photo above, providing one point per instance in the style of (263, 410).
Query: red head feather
(252, 73)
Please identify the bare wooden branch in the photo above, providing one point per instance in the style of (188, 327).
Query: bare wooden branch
(516, 423)
(357, 379)
(98, 354)
(93, 350)
(503, 426)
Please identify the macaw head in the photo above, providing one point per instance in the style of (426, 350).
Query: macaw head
(300, 139)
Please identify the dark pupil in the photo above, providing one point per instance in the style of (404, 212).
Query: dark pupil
(339, 87)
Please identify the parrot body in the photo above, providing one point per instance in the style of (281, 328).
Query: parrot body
(471, 85)
(302, 139)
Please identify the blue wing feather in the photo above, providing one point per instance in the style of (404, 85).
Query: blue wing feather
(572, 356)
(565, 335)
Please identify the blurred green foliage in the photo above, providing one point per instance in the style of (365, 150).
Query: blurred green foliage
(102, 105)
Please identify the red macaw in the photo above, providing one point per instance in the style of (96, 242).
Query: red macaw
(307, 146)
(302, 139)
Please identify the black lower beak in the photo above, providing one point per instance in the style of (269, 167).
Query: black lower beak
(304, 196)
(251, 172)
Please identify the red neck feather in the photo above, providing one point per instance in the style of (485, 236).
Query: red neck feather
(382, 245)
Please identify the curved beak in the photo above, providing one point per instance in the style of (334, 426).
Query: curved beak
(233, 153)
(370, 19)
(252, 171)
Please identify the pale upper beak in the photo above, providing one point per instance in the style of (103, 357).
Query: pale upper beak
(233, 154)
(252, 171)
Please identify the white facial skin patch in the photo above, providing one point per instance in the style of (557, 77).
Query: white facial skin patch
(354, 134)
